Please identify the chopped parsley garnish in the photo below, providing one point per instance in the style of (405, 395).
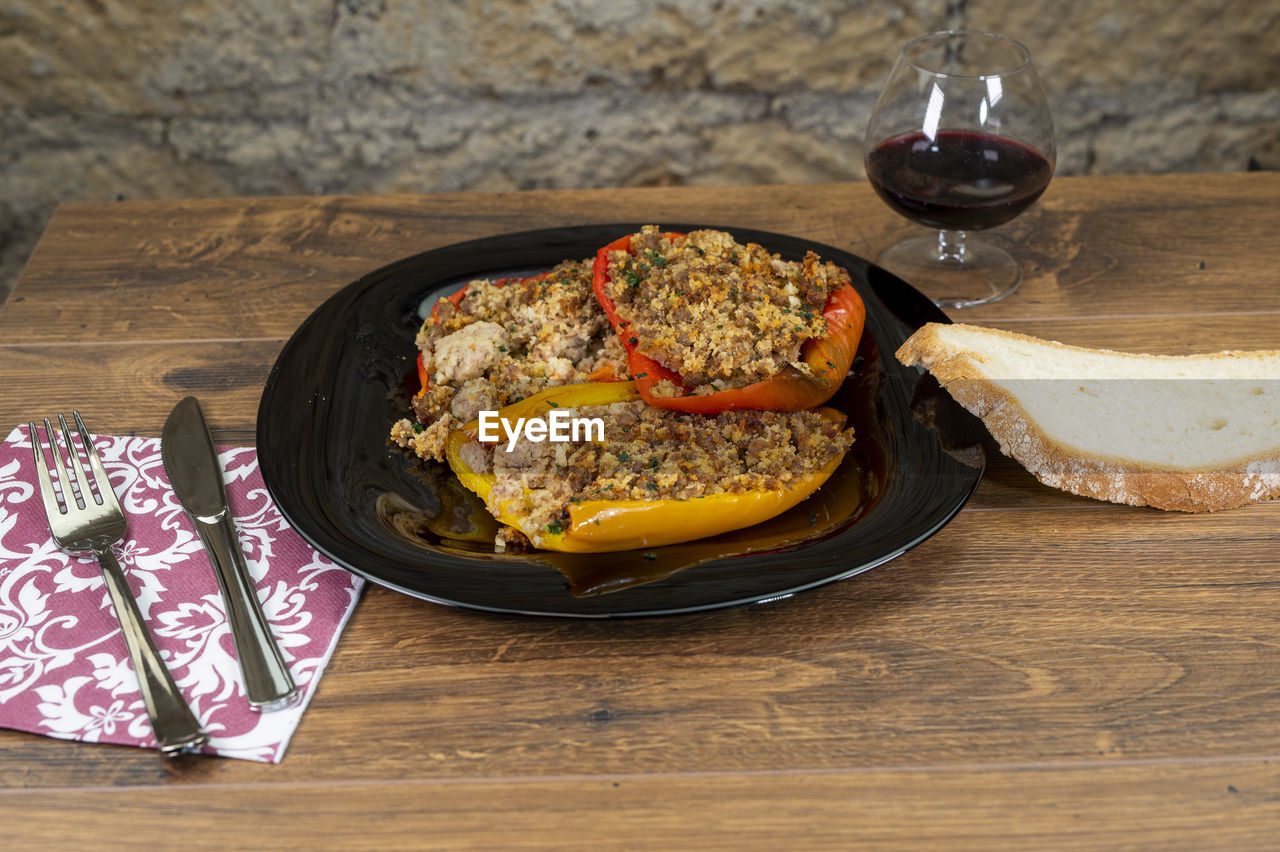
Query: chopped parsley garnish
(624, 456)
(418, 428)
(555, 527)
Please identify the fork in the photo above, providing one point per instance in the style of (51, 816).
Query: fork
(85, 521)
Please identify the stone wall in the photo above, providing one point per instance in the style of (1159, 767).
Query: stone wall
(106, 99)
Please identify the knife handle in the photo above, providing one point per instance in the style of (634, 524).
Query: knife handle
(172, 721)
(267, 682)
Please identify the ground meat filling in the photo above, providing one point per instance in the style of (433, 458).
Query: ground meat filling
(507, 340)
(719, 313)
(653, 454)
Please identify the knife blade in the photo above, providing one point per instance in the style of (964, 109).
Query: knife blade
(192, 465)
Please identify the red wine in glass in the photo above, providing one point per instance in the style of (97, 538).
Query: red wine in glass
(960, 140)
(961, 180)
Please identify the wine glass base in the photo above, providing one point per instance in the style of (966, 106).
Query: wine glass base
(986, 273)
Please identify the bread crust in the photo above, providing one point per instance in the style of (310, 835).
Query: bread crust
(960, 372)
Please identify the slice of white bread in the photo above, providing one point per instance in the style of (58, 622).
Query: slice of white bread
(1192, 432)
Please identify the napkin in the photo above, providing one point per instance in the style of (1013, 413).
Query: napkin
(64, 669)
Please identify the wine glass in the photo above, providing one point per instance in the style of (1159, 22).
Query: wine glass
(960, 140)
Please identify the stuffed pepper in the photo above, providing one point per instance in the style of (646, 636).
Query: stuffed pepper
(495, 341)
(712, 325)
(648, 476)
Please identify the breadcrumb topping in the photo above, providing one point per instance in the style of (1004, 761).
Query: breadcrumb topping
(506, 340)
(720, 313)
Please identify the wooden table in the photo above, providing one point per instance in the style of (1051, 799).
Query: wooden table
(1046, 670)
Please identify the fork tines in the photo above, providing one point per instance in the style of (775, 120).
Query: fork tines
(73, 490)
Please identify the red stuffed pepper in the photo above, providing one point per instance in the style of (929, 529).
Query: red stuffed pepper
(692, 275)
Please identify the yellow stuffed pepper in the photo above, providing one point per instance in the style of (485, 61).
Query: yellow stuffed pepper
(591, 524)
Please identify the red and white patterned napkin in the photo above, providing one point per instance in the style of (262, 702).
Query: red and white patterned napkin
(64, 669)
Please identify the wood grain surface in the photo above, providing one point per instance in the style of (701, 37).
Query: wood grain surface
(1046, 672)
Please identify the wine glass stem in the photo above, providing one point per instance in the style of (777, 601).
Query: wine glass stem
(951, 247)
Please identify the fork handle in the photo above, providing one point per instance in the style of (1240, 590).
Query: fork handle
(175, 727)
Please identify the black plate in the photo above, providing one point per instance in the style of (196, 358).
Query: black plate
(342, 380)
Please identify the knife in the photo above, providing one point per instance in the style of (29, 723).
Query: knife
(192, 464)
